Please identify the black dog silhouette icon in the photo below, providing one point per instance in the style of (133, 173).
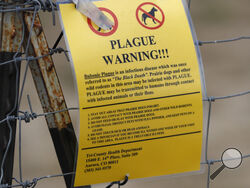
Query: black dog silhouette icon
(152, 13)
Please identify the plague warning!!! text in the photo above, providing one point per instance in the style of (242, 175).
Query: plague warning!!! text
(137, 56)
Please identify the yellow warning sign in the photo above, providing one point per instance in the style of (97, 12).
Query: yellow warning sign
(139, 91)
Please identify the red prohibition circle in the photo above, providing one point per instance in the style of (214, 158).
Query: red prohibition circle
(141, 9)
(114, 27)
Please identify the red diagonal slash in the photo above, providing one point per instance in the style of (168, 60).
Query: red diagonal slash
(140, 8)
(154, 18)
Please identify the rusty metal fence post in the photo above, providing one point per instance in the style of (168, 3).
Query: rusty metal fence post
(10, 32)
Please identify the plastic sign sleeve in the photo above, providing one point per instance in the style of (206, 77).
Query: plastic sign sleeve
(87, 8)
(139, 89)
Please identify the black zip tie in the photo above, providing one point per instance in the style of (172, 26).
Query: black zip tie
(118, 182)
(113, 183)
(58, 40)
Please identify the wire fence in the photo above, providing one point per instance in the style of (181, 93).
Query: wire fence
(35, 6)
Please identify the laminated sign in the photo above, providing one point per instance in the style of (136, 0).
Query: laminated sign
(140, 91)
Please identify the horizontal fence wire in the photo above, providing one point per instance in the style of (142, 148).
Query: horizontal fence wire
(224, 41)
(27, 116)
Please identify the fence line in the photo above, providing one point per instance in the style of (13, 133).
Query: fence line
(224, 41)
(28, 116)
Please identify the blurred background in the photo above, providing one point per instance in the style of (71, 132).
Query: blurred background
(227, 71)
